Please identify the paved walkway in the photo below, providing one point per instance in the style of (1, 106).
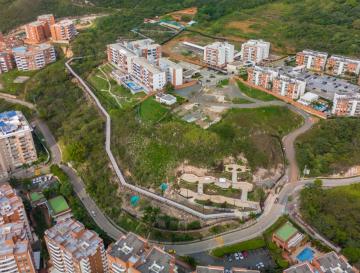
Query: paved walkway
(14, 99)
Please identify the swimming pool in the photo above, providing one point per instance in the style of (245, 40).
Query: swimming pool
(133, 87)
(306, 255)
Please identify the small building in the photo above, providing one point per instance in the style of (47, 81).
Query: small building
(125, 252)
(288, 237)
(308, 98)
(301, 268)
(37, 199)
(59, 208)
(165, 98)
(332, 262)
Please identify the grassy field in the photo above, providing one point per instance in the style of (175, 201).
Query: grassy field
(255, 93)
(115, 95)
(212, 189)
(152, 111)
(7, 81)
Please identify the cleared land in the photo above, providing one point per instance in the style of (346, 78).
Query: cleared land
(255, 93)
(11, 87)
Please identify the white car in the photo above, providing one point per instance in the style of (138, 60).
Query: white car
(241, 256)
(236, 256)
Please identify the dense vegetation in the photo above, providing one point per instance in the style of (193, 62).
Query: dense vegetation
(318, 206)
(150, 152)
(332, 146)
(79, 129)
(290, 25)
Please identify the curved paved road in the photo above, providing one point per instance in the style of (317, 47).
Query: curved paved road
(264, 221)
(11, 99)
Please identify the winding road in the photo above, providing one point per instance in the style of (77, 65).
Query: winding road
(272, 211)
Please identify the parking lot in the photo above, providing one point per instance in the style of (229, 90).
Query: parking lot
(258, 259)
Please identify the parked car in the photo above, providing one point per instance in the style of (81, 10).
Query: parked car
(237, 256)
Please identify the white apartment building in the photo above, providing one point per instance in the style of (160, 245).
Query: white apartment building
(288, 86)
(219, 54)
(340, 65)
(346, 105)
(34, 57)
(6, 62)
(312, 60)
(255, 51)
(173, 71)
(147, 75)
(262, 76)
(74, 249)
(16, 143)
(120, 56)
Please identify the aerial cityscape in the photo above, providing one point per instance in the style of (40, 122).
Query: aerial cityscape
(179, 136)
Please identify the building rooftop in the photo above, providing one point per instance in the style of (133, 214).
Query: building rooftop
(253, 42)
(156, 261)
(13, 238)
(128, 248)
(45, 16)
(286, 231)
(209, 269)
(345, 58)
(30, 49)
(65, 22)
(122, 49)
(243, 270)
(36, 23)
(9, 201)
(300, 268)
(147, 65)
(73, 236)
(36, 196)
(167, 62)
(331, 262)
(314, 52)
(219, 44)
(58, 205)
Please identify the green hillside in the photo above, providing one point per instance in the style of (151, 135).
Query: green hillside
(332, 146)
(318, 206)
(290, 25)
(17, 12)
